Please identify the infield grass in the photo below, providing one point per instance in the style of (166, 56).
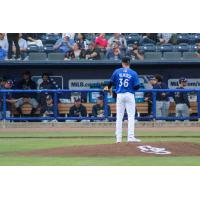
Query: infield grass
(32, 140)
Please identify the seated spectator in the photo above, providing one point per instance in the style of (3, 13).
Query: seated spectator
(149, 38)
(45, 85)
(2, 82)
(2, 54)
(92, 53)
(119, 39)
(3, 42)
(26, 84)
(64, 44)
(134, 53)
(78, 110)
(9, 99)
(164, 37)
(114, 52)
(198, 50)
(32, 38)
(98, 109)
(23, 47)
(81, 41)
(101, 42)
(47, 110)
(76, 53)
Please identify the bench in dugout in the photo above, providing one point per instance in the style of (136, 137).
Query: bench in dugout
(142, 108)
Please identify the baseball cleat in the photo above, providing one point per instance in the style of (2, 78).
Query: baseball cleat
(134, 140)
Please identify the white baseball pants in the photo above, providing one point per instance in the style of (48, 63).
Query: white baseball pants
(125, 101)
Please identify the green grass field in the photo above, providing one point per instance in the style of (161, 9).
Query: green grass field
(15, 141)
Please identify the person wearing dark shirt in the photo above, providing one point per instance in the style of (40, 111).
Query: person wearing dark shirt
(135, 53)
(45, 85)
(92, 53)
(78, 110)
(26, 84)
(162, 98)
(9, 99)
(47, 109)
(13, 38)
(181, 99)
(98, 109)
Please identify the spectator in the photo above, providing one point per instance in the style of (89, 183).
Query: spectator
(75, 54)
(9, 99)
(181, 99)
(148, 95)
(92, 53)
(2, 82)
(149, 38)
(162, 100)
(23, 47)
(26, 84)
(81, 41)
(119, 39)
(101, 42)
(198, 50)
(64, 44)
(114, 52)
(3, 42)
(98, 109)
(48, 109)
(33, 39)
(2, 54)
(164, 37)
(13, 38)
(78, 110)
(134, 53)
(45, 85)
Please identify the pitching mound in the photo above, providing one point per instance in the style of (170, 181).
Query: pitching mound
(123, 149)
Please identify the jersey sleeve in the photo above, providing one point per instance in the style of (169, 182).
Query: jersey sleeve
(136, 80)
(113, 77)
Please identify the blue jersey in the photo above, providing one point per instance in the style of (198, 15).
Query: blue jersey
(125, 79)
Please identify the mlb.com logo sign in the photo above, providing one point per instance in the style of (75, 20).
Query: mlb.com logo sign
(192, 83)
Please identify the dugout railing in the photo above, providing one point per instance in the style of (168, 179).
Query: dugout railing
(56, 115)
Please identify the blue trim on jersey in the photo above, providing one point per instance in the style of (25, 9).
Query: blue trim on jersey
(125, 79)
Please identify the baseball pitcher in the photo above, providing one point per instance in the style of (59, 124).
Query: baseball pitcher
(126, 82)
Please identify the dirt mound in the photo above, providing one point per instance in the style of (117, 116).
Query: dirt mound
(123, 149)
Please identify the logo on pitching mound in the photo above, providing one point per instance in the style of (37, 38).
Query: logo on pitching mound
(153, 150)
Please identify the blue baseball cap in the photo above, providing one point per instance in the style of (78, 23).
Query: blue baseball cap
(152, 78)
(182, 79)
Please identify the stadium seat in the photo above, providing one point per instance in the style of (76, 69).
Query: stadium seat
(172, 55)
(50, 38)
(182, 38)
(33, 48)
(189, 55)
(48, 48)
(56, 56)
(193, 48)
(152, 56)
(165, 48)
(148, 48)
(197, 38)
(133, 37)
(37, 56)
(183, 47)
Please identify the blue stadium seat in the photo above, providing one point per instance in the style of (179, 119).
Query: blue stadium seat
(193, 48)
(189, 55)
(197, 38)
(48, 48)
(56, 56)
(182, 38)
(165, 48)
(133, 37)
(33, 56)
(50, 38)
(152, 55)
(33, 48)
(183, 47)
(148, 48)
(172, 56)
